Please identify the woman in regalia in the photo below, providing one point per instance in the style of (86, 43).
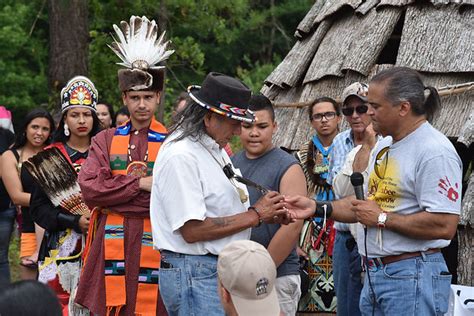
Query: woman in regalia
(65, 224)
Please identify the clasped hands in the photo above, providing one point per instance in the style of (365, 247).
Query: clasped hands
(364, 212)
(271, 209)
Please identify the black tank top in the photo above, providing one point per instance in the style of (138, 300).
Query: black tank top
(27, 182)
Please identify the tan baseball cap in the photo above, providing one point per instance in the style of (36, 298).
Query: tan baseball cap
(247, 271)
(356, 89)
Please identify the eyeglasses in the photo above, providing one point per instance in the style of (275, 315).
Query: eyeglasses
(327, 115)
(360, 109)
(381, 161)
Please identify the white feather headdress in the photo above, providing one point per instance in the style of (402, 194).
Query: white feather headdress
(140, 50)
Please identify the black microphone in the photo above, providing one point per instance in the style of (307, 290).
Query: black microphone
(357, 180)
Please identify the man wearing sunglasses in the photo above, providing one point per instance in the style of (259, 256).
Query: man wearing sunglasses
(347, 278)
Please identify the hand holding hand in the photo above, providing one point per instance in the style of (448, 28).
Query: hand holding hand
(300, 207)
(271, 208)
(367, 212)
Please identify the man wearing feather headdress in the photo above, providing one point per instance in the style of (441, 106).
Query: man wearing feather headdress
(120, 274)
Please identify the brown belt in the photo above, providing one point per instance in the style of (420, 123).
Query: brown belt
(407, 255)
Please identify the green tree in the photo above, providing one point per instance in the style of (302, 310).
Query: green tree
(241, 38)
(23, 57)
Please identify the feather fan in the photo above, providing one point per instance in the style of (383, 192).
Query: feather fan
(58, 179)
(137, 45)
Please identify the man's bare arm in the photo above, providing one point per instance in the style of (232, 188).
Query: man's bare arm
(213, 228)
(424, 225)
(302, 207)
(341, 210)
(269, 208)
(420, 225)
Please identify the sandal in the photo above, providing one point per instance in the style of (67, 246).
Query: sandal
(29, 263)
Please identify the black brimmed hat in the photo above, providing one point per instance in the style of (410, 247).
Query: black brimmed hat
(223, 95)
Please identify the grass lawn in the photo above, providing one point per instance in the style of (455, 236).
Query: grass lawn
(14, 257)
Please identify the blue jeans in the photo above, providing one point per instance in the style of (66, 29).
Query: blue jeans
(414, 286)
(7, 218)
(188, 284)
(347, 268)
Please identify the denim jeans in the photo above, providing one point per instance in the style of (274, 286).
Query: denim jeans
(346, 265)
(7, 218)
(414, 286)
(288, 289)
(188, 284)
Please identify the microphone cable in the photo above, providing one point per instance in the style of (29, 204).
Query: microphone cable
(366, 264)
(357, 181)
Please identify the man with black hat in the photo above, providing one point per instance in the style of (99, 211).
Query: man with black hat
(120, 274)
(197, 206)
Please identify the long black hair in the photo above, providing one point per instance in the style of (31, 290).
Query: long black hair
(190, 122)
(20, 138)
(59, 134)
(405, 84)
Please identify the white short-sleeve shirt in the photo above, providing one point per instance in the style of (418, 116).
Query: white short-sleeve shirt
(189, 184)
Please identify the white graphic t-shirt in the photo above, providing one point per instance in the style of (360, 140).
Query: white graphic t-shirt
(420, 172)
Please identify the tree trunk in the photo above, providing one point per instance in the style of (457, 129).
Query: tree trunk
(466, 256)
(466, 235)
(69, 42)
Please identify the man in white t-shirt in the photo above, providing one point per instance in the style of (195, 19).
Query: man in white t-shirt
(197, 206)
(413, 201)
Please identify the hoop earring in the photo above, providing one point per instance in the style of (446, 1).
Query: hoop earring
(66, 130)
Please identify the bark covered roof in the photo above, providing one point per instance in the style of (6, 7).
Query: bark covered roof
(342, 41)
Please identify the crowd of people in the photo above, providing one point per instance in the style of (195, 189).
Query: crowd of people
(121, 215)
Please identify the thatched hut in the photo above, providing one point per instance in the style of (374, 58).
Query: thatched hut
(342, 41)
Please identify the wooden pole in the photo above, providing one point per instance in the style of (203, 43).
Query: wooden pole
(443, 92)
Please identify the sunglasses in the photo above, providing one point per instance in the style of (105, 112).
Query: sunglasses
(360, 109)
(381, 162)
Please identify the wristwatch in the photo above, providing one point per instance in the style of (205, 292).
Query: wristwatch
(381, 220)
